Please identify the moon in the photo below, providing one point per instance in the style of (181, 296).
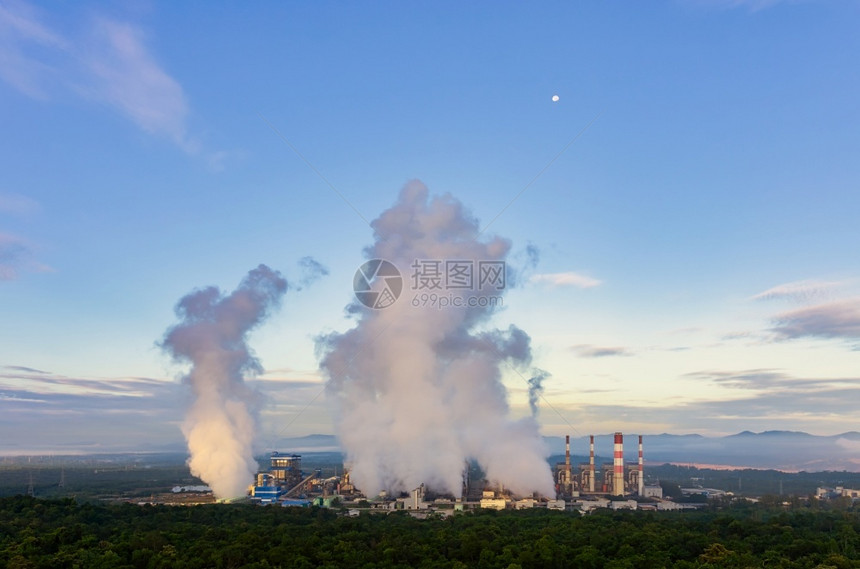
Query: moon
(555, 98)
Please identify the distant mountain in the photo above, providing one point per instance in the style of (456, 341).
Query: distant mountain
(744, 434)
(308, 443)
(782, 450)
(771, 434)
(850, 435)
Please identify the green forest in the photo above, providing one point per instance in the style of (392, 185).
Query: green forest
(64, 533)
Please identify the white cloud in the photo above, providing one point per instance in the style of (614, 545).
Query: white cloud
(565, 279)
(21, 19)
(110, 64)
(125, 75)
(21, 34)
(800, 291)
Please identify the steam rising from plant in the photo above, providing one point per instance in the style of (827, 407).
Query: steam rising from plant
(417, 391)
(212, 336)
(536, 389)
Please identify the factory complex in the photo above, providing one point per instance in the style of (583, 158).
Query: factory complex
(613, 485)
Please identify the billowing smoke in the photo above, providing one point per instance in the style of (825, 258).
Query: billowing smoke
(536, 389)
(416, 387)
(212, 336)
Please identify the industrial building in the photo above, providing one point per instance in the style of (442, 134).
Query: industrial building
(286, 484)
(285, 480)
(615, 478)
(286, 470)
(838, 492)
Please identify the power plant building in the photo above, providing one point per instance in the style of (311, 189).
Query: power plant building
(285, 481)
(286, 469)
(614, 478)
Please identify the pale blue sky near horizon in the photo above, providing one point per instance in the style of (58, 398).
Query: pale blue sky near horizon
(720, 163)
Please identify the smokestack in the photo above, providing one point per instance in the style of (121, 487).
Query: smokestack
(618, 464)
(567, 452)
(591, 465)
(641, 469)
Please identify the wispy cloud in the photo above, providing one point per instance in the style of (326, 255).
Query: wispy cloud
(565, 279)
(739, 335)
(52, 410)
(126, 75)
(17, 205)
(312, 271)
(16, 255)
(112, 64)
(800, 291)
(773, 380)
(838, 319)
(17, 398)
(13, 252)
(810, 404)
(687, 331)
(22, 368)
(21, 37)
(589, 351)
(49, 410)
(42, 382)
(746, 379)
(751, 5)
(77, 421)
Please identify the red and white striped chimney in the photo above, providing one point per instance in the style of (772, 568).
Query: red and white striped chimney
(618, 464)
(641, 469)
(591, 465)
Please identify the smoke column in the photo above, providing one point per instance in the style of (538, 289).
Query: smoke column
(212, 336)
(417, 390)
(536, 389)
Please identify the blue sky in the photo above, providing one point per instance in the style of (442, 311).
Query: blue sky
(698, 241)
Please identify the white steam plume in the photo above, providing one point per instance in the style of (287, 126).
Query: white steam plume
(417, 390)
(212, 336)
